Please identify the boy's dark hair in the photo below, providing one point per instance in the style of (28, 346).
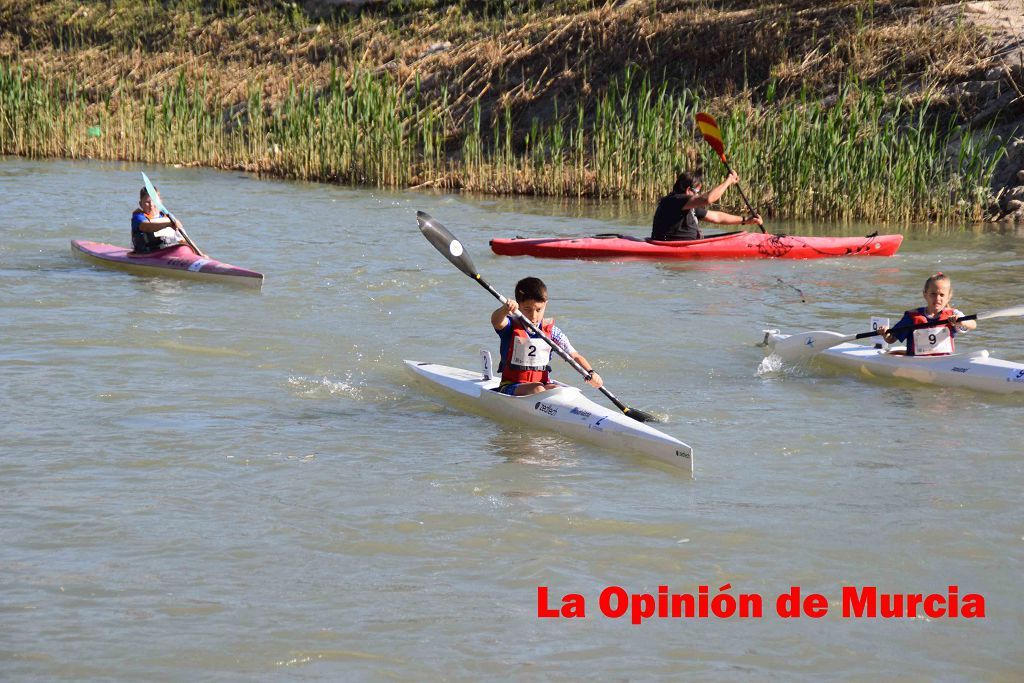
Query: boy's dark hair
(685, 181)
(143, 193)
(531, 289)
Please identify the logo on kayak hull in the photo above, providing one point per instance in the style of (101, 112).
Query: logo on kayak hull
(545, 408)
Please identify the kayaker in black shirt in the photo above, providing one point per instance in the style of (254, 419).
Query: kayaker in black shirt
(679, 214)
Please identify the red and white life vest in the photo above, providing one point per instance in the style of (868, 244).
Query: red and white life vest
(528, 359)
(931, 341)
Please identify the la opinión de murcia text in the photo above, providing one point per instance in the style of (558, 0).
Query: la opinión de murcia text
(854, 602)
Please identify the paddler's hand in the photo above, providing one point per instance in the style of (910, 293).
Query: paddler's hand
(755, 219)
(883, 332)
(511, 307)
(595, 380)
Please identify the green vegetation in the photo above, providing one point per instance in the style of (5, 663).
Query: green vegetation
(866, 155)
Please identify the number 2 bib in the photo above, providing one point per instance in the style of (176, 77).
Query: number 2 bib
(529, 352)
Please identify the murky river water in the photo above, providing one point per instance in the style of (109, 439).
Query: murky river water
(199, 482)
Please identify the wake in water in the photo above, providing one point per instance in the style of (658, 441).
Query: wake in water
(770, 366)
(321, 387)
(773, 366)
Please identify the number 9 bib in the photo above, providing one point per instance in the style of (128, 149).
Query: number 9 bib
(933, 341)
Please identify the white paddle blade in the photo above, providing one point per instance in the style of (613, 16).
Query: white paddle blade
(1002, 313)
(805, 344)
(153, 194)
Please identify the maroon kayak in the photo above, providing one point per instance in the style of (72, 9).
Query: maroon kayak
(179, 261)
(733, 245)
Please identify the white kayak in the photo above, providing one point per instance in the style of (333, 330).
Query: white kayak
(974, 370)
(564, 410)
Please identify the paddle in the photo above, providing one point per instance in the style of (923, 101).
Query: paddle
(155, 196)
(711, 132)
(451, 249)
(806, 344)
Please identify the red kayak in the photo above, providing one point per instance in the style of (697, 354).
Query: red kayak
(732, 245)
(178, 261)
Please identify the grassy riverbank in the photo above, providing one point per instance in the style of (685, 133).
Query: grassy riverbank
(431, 98)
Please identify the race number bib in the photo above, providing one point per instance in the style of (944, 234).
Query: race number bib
(933, 340)
(876, 322)
(531, 353)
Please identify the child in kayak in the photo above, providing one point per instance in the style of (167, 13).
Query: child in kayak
(152, 229)
(526, 358)
(931, 341)
(679, 213)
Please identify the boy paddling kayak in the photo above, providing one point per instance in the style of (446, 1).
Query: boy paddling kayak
(525, 357)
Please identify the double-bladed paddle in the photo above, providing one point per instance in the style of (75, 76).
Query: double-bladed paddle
(713, 134)
(155, 196)
(806, 344)
(451, 248)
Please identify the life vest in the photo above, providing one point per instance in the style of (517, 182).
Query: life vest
(527, 358)
(144, 242)
(931, 341)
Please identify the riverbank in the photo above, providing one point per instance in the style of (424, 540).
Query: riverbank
(834, 110)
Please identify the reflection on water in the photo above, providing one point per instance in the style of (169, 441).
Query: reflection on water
(530, 447)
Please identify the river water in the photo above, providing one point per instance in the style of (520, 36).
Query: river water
(200, 482)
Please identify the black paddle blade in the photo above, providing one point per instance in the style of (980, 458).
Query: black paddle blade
(635, 413)
(640, 415)
(446, 243)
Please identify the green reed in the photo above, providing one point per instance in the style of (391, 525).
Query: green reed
(861, 158)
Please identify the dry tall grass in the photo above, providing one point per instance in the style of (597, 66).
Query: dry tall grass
(574, 98)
